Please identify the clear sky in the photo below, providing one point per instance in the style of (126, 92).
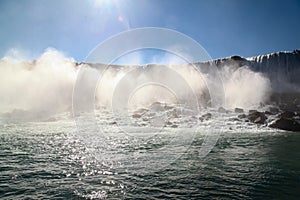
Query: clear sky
(222, 27)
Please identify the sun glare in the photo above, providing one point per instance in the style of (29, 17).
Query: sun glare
(102, 3)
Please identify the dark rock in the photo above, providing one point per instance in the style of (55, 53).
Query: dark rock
(167, 107)
(136, 115)
(207, 116)
(287, 124)
(112, 123)
(273, 110)
(145, 119)
(174, 126)
(238, 110)
(288, 114)
(169, 123)
(237, 58)
(252, 111)
(242, 116)
(257, 117)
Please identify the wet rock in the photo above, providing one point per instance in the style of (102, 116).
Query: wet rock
(272, 111)
(145, 119)
(206, 116)
(288, 124)
(237, 58)
(167, 107)
(143, 124)
(112, 123)
(288, 120)
(174, 126)
(257, 117)
(288, 114)
(252, 111)
(242, 116)
(169, 123)
(136, 115)
(238, 110)
(141, 111)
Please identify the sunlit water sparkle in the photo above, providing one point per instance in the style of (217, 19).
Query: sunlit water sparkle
(49, 160)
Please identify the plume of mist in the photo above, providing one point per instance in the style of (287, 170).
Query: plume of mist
(244, 88)
(43, 86)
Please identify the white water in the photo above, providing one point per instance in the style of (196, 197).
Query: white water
(45, 86)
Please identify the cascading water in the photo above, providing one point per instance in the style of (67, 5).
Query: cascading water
(44, 87)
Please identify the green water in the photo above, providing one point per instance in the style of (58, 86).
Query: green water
(46, 161)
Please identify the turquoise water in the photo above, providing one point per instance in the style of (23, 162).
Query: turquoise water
(47, 161)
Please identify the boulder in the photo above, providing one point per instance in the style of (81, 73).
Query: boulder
(174, 126)
(167, 107)
(238, 110)
(242, 116)
(288, 124)
(112, 123)
(288, 120)
(236, 57)
(257, 117)
(136, 115)
(206, 116)
(288, 114)
(272, 111)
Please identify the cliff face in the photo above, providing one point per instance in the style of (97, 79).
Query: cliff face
(282, 68)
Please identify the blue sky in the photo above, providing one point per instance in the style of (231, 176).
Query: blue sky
(222, 27)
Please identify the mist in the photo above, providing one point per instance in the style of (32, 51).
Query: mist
(44, 87)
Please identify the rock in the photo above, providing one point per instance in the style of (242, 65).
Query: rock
(167, 107)
(237, 58)
(112, 123)
(222, 110)
(206, 116)
(252, 111)
(272, 111)
(288, 121)
(288, 114)
(242, 116)
(136, 115)
(257, 117)
(174, 126)
(288, 124)
(169, 123)
(141, 111)
(238, 110)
